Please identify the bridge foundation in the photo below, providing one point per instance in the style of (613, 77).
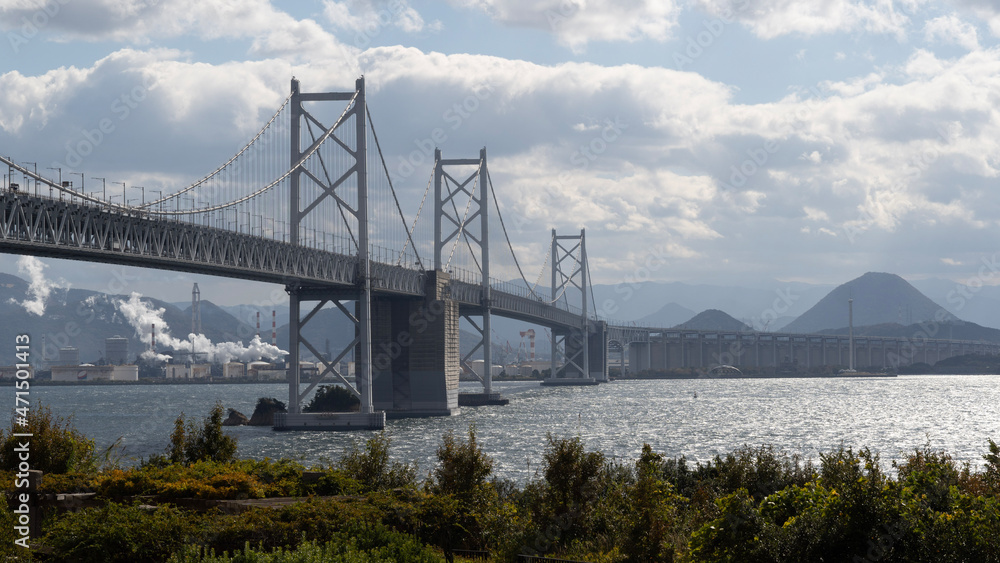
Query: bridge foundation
(415, 353)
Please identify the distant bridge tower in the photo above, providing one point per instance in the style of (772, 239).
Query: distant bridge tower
(453, 183)
(569, 270)
(195, 310)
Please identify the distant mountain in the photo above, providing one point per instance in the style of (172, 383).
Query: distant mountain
(979, 305)
(668, 315)
(83, 319)
(713, 319)
(879, 298)
(778, 324)
(947, 330)
(753, 304)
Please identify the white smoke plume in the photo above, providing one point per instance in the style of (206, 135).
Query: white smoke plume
(142, 317)
(39, 287)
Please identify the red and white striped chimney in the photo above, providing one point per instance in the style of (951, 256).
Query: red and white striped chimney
(258, 325)
(274, 328)
(153, 341)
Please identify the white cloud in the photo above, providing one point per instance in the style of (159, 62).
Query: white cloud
(987, 10)
(951, 30)
(906, 146)
(774, 18)
(273, 32)
(814, 214)
(366, 19)
(578, 22)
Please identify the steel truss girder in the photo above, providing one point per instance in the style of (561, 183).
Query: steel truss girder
(37, 225)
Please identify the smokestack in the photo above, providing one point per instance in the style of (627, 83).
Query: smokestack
(153, 342)
(196, 310)
(850, 334)
(258, 325)
(274, 328)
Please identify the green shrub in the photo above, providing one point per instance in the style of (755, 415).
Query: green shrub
(360, 544)
(992, 476)
(760, 470)
(240, 479)
(56, 446)
(122, 533)
(463, 468)
(189, 444)
(372, 467)
(570, 473)
(333, 398)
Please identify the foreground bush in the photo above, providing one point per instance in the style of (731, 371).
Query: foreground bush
(189, 443)
(371, 467)
(56, 445)
(360, 545)
(117, 533)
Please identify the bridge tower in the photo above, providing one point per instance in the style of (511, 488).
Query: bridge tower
(586, 345)
(308, 189)
(452, 222)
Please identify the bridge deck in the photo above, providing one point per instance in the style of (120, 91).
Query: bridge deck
(42, 226)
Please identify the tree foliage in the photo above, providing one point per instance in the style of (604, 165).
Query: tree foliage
(56, 446)
(333, 398)
(190, 443)
(372, 467)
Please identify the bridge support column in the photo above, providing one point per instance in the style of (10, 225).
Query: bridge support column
(598, 350)
(638, 356)
(415, 349)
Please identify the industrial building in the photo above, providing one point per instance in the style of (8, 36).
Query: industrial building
(68, 356)
(116, 350)
(233, 370)
(87, 372)
(8, 373)
(188, 371)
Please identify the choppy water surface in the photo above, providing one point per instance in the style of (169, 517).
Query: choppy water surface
(805, 416)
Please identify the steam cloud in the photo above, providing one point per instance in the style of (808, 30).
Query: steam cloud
(39, 287)
(142, 316)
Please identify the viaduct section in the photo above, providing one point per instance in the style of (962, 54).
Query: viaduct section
(638, 349)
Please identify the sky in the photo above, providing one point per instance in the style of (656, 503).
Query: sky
(703, 141)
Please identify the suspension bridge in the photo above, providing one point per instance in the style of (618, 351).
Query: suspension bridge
(309, 204)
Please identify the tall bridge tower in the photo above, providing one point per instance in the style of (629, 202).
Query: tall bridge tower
(310, 188)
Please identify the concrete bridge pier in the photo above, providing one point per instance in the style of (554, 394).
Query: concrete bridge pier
(598, 350)
(415, 353)
(638, 356)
